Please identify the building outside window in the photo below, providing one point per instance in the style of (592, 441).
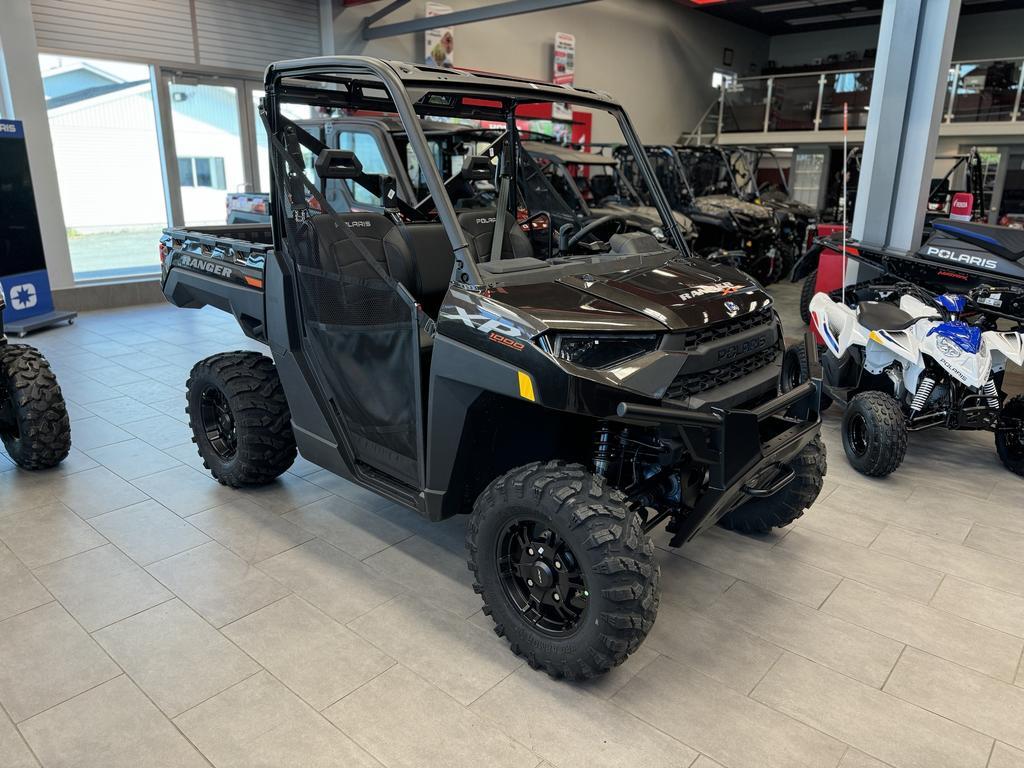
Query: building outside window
(202, 172)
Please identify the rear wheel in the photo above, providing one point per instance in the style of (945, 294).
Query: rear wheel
(874, 434)
(240, 419)
(1010, 435)
(564, 567)
(782, 508)
(807, 292)
(34, 422)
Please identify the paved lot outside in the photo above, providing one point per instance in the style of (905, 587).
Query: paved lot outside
(149, 616)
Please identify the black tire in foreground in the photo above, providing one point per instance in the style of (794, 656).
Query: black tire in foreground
(34, 422)
(874, 434)
(564, 568)
(796, 370)
(807, 292)
(240, 419)
(1010, 435)
(782, 508)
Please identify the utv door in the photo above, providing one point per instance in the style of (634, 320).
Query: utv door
(362, 338)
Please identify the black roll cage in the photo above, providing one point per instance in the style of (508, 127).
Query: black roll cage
(367, 83)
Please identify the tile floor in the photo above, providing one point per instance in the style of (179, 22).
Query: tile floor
(149, 616)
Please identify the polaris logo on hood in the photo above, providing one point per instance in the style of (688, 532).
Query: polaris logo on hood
(201, 265)
(962, 258)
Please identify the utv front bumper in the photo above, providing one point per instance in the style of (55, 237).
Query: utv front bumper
(748, 452)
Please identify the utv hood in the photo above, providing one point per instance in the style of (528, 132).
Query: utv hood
(675, 296)
(749, 214)
(644, 217)
(802, 211)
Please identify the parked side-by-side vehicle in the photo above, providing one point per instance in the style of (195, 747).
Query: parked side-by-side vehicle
(571, 387)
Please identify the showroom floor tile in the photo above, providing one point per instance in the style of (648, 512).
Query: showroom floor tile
(149, 615)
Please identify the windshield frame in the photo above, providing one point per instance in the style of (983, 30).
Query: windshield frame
(414, 93)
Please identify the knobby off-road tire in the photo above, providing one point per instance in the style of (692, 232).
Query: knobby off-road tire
(807, 292)
(796, 369)
(35, 427)
(608, 547)
(240, 419)
(1010, 446)
(874, 434)
(782, 508)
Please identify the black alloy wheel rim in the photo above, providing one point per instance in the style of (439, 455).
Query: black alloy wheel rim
(1015, 439)
(218, 423)
(541, 577)
(791, 373)
(857, 433)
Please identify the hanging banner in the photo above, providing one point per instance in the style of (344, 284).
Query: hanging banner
(563, 70)
(22, 265)
(565, 59)
(439, 43)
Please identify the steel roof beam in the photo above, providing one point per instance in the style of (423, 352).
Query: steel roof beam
(470, 16)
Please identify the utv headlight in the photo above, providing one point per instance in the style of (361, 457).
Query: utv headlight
(602, 350)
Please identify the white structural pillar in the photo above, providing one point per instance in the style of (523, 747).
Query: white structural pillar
(24, 100)
(915, 45)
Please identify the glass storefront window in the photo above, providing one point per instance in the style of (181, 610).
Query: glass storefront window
(208, 142)
(105, 145)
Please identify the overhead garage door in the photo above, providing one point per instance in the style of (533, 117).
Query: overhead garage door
(234, 34)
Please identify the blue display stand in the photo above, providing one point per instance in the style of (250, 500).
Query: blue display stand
(23, 276)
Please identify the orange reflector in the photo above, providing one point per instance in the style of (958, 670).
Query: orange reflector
(255, 282)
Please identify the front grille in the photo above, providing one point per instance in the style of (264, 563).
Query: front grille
(689, 384)
(691, 340)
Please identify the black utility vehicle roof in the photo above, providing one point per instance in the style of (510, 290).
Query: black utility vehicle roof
(421, 76)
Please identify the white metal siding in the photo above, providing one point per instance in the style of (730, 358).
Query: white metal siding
(150, 30)
(241, 35)
(249, 34)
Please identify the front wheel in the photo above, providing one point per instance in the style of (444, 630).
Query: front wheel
(807, 292)
(782, 508)
(240, 419)
(874, 434)
(34, 422)
(1010, 435)
(564, 567)
(796, 369)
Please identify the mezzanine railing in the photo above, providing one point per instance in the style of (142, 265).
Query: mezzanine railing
(977, 92)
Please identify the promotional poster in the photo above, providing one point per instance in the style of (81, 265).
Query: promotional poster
(563, 70)
(439, 43)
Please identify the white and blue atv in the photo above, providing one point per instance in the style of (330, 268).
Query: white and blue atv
(905, 367)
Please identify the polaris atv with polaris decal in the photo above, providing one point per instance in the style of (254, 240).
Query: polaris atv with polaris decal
(936, 236)
(914, 366)
(571, 393)
(958, 257)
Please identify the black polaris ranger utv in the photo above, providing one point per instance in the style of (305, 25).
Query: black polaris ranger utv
(34, 424)
(572, 393)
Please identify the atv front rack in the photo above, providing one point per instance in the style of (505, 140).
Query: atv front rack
(748, 452)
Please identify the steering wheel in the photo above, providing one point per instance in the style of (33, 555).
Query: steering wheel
(566, 243)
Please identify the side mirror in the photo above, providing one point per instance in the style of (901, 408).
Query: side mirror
(337, 164)
(477, 168)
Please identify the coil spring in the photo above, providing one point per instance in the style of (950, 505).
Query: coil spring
(990, 392)
(605, 449)
(924, 390)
